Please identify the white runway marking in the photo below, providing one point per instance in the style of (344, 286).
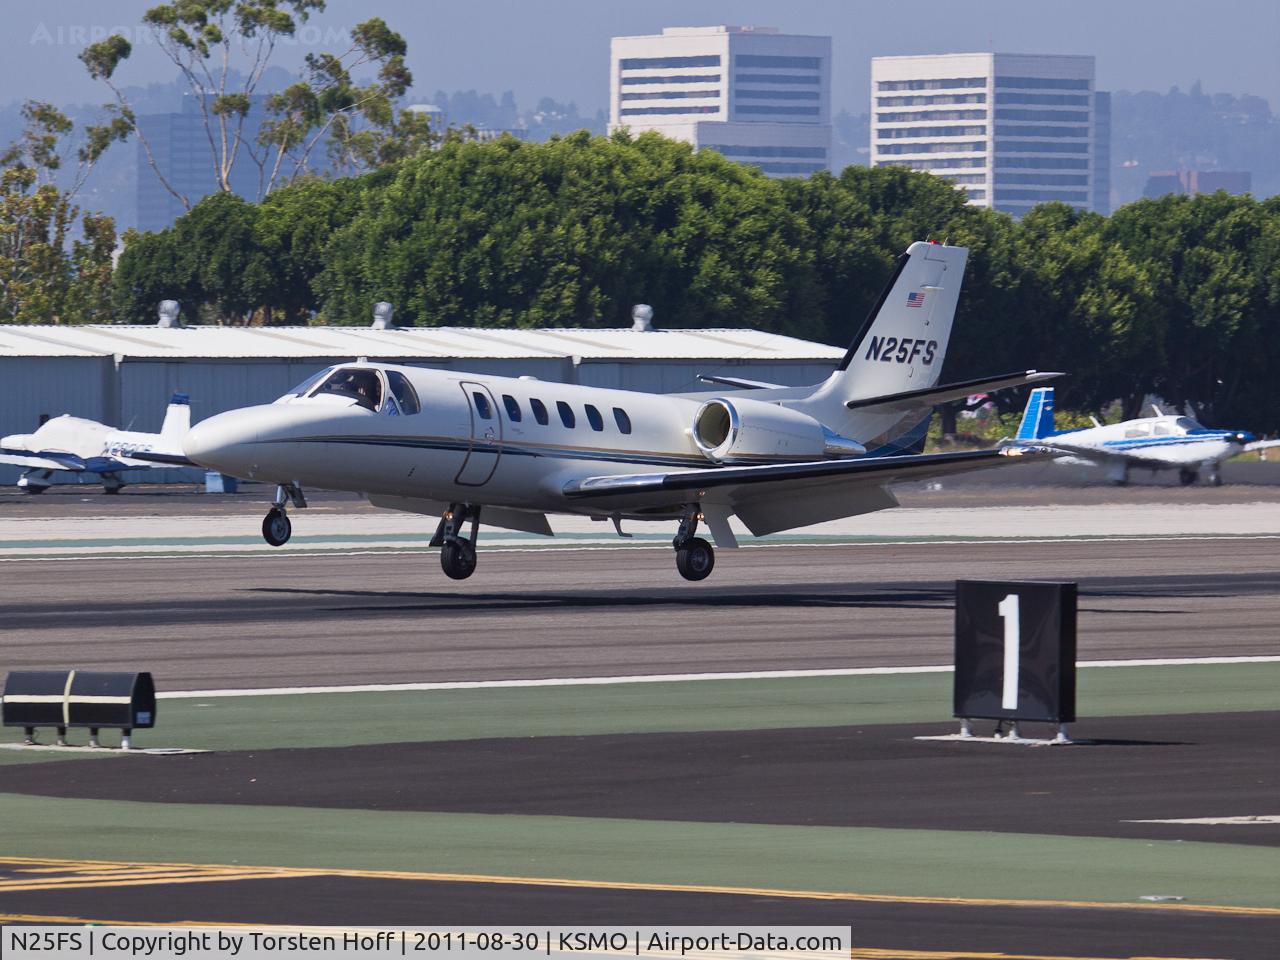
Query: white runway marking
(664, 678)
(1214, 821)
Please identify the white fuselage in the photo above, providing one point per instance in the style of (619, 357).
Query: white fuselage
(450, 451)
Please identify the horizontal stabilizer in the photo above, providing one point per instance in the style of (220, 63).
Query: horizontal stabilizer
(930, 396)
(739, 383)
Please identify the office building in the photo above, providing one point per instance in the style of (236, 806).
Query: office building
(751, 93)
(1192, 182)
(1010, 130)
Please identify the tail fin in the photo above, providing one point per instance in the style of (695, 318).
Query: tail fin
(177, 421)
(1037, 419)
(903, 341)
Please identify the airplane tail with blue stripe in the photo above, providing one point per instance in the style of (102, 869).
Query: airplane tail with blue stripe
(1037, 419)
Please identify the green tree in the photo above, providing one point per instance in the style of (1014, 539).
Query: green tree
(45, 277)
(222, 48)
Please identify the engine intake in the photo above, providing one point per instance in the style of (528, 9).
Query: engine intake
(751, 431)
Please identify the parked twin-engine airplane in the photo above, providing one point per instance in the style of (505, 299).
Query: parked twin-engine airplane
(1154, 443)
(461, 446)
(86, 446)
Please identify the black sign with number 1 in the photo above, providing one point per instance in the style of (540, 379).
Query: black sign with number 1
(1015, 650)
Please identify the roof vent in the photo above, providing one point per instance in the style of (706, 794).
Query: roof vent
(169, 312)
(382, 313)
(642, 318)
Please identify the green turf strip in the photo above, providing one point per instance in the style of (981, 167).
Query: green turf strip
(345, 719)
(863, 860)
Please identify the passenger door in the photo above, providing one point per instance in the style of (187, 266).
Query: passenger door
(486, 436)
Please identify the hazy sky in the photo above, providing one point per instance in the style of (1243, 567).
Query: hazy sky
(560, 48)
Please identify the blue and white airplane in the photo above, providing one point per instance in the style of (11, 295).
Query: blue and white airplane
(1162, 442)
(77, 445)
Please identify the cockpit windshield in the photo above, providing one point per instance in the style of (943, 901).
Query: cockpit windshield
(1187, 425)
(308, 383)
(359, 384)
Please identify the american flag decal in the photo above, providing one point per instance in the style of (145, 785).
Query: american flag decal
(915, 299)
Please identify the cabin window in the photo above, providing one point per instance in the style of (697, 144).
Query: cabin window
(361, 385)
(482, 405)
(1163, 430)
(513, 407)
(404, 393)
(539, 411)
(620, 417)
(594, 418)
(1143, 430)
(566, 414)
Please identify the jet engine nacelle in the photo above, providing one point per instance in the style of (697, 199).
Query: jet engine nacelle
(751, 431)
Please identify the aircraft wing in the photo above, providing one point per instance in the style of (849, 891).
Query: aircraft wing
(44, 460)
(152, 458)
(782, 496)
(952, 391)
(1260, 445)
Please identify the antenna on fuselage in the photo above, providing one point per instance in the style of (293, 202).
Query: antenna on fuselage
(1158, 411)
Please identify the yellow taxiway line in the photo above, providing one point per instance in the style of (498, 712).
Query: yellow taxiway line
(112, 873)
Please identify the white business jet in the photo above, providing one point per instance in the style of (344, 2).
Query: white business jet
(1162, 442)
(77, 445)
(462, 446)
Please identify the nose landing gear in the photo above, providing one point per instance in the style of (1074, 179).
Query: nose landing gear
(457, 553)
(695, 558)
(276, 528)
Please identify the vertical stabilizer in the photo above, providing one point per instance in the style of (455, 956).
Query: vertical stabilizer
(903, 341)
(177, 421)
(1037, 418)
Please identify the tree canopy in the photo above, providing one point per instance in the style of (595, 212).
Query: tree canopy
(1178, 296)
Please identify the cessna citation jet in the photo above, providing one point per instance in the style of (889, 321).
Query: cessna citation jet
(510, 451)
(1154, 443)
(86, 446)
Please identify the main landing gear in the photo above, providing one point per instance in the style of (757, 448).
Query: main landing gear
(695, 558)
(276, 528)
(1187, 477)
(457, 553)
(111, 483)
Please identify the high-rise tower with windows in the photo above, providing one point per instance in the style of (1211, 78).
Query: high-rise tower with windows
(1010, 130)
(751, 93)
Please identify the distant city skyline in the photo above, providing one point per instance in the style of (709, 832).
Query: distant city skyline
(561, 49)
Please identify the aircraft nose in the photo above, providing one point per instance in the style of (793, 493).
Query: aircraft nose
(222, 441)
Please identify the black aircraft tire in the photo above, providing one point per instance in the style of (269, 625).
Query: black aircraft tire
(458, 559)
(34, 490)
(276, 527)
(695, 559)
(1187, 477)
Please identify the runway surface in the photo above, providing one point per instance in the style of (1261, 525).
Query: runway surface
(881, 929)
(659, 803)
(1217, 766)
(200, 623)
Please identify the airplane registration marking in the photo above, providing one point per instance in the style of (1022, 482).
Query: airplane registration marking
(232, 872)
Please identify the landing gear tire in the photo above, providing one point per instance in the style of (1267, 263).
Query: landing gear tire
(695, 559)
(276, 528)
(32, 490)
(458, 559)
(1187, 477)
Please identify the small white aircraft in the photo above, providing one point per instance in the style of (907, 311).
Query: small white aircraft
(457, 445)
(87, 446)
(1154, 443)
